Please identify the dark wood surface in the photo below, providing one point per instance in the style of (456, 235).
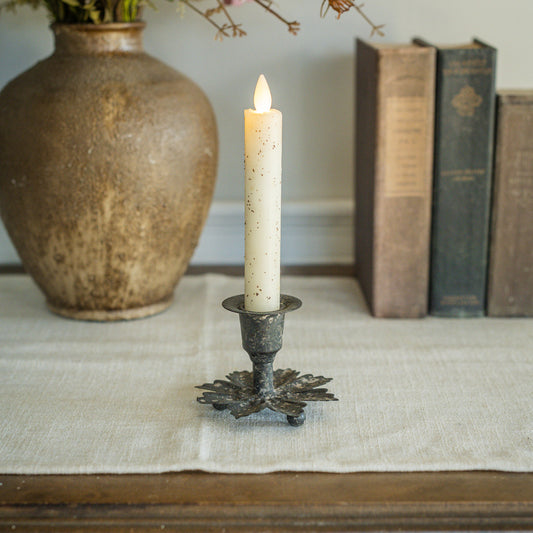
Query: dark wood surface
(203, 502)
(197, 501)
(238, 270)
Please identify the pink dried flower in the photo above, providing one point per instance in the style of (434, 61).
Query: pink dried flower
(235, 2)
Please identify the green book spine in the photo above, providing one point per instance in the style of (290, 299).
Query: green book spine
(464, 132)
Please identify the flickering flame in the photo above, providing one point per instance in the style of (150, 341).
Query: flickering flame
(262, 96)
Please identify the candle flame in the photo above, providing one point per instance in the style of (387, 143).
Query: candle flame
(262, 96)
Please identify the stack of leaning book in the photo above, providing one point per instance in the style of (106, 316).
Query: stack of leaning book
(444, 195)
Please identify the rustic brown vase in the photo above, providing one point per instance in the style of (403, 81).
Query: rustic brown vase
(107, 168)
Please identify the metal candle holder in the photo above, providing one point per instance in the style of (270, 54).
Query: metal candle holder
(284, 391)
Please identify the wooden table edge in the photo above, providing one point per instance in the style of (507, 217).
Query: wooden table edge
(341, 269)
(284, 501)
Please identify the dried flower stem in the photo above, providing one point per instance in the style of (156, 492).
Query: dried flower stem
(293, 26)
(237, 31)
(375, 28)
(103, 11)
(341, 6)
(221, 29)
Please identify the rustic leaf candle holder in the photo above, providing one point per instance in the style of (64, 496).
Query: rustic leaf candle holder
(284, 391)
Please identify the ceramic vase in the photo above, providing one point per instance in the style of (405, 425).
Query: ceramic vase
(107, 168)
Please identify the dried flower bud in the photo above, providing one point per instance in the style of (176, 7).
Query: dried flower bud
(235, 2)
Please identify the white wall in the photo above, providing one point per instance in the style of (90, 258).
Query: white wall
(311, 78)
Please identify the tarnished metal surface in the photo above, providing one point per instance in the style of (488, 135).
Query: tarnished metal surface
(289, 395)
(284, 391)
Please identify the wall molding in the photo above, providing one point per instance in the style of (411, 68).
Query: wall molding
(8, 254)
(313, 232)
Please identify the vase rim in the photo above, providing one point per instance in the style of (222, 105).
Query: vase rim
(112, 37)
(105, 26)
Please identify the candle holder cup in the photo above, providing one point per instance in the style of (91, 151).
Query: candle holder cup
(284, 390)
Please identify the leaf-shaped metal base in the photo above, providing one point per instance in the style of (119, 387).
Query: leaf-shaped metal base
(289, 397)
(284, 391)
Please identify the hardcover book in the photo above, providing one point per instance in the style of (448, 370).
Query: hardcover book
(393, 168)
(464, 132)
(510, 289)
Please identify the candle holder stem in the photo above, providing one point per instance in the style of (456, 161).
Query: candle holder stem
(263, 379)
(284, 391)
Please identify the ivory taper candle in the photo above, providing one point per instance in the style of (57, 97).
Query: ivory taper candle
(262, 191)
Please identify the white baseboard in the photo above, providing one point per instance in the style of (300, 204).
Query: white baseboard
(314, 232)
(8, 254)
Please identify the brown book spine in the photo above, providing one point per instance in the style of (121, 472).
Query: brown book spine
(510, 286)
(393, 174)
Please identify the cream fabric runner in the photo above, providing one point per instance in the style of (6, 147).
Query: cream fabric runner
(432, 394)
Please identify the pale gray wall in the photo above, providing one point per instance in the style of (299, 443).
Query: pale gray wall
(311, 76)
